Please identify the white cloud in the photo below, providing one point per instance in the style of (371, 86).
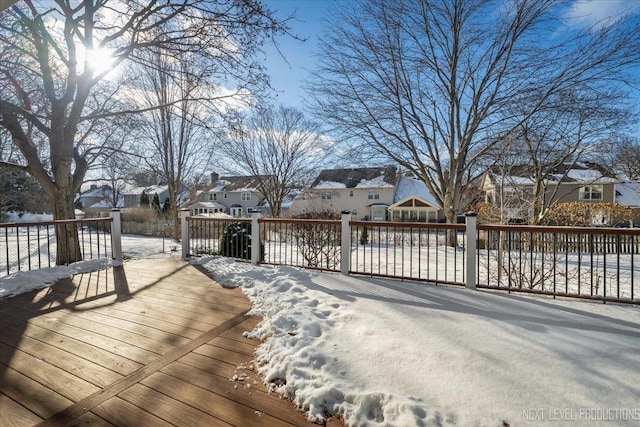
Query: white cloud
(599, 13)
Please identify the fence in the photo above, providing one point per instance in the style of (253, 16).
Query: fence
(593, 263)
(33, 245)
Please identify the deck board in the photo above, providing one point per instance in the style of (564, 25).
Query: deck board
(13, 414)
(155, 342)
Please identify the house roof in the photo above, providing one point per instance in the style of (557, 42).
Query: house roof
(628, 194)
(101, 191)
(380, 177)
(237, 183)
(570, 172)
(409, 186)
(151, 189)
(206, 205)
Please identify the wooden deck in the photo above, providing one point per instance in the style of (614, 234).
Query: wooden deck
(153, 343)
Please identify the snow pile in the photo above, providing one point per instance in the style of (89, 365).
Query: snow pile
(329, 185)
(588, 176)
(377, 182)
(24, 281)
(389, 353)
(18, 217)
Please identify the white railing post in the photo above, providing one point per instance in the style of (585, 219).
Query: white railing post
(184, 214)
(470, 248)
(116, 235)
(345, 244)
(255, 237)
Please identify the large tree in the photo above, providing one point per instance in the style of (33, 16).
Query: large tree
(546, 144)
(430, 84)
(174, 138)
(54, 95)
(279, 147)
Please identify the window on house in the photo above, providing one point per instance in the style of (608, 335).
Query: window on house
(591, 192)
(325, 195)
(225, 195)
(246, 196)
(379, 215)
(350, 193)
(214, 196)
(374, 194)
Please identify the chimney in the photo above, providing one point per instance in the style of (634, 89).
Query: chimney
(214, 177)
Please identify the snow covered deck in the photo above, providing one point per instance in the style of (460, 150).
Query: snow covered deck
(155, 342)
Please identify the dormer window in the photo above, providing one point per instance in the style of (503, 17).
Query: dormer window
(590, 192)
(245, 196)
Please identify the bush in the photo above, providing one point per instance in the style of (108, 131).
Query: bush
(139, 215)
(318, 244)
(364, 236)
(236, 241)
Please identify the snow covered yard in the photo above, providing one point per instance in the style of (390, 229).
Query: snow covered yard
(382, 352)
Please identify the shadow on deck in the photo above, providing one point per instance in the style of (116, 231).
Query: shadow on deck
(155, 343)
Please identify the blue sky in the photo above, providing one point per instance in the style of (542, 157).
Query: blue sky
(288, 76)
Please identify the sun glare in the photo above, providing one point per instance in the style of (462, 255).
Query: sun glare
(100, 60)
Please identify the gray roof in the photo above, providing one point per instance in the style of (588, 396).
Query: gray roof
(358, 177)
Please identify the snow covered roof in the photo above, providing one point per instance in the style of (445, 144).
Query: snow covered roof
(408, 187)
(237, 183)
(379, 177)
(628, 194)
(150, 189)
(569, 172)
(206, 205)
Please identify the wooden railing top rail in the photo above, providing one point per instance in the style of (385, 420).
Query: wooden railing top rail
(390, 224)
(559, 229)
(207, 219)
(59, 221)
(300, 221)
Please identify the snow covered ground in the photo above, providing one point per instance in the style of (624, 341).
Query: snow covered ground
(383, 352)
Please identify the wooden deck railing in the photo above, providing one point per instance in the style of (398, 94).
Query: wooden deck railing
(593, 263)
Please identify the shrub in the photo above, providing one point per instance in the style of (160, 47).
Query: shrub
(318, 244)
(236, 241)
(139, 215)
(364, 236)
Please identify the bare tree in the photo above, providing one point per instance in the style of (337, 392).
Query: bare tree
(174, 136)
(539, 153)
(621, 153)
(280, 147)
(429, 84)
(54, 95)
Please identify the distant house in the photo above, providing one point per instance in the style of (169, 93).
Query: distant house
(628, 194)
(237, 195)
(413, 202)
(366, 192)
(132, 195)
(205, 208)
(99, 198)
(512, 191)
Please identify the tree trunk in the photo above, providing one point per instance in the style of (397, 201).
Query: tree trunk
(68, 244)
(451, 218)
